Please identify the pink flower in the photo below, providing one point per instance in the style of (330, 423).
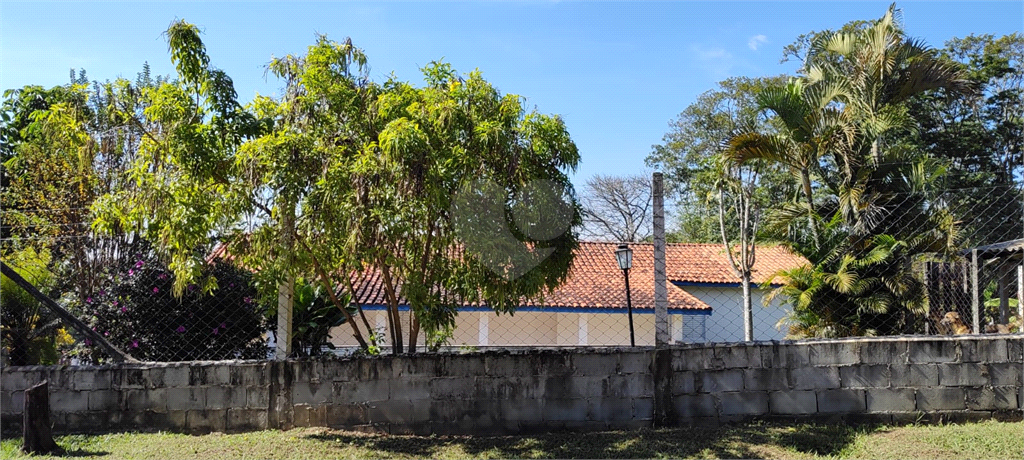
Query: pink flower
(223, 325)
(88, 300)
(135, 344)
(124, 310)
(162, 276)
(106, 334)
(180, 329)
(88, 342)
(215, 331)
(139, 264)
(131, 272)
(115, 303)
(247, 299)
(156, 289)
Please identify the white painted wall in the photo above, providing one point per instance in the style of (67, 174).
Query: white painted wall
(726, 321)
(528, 328)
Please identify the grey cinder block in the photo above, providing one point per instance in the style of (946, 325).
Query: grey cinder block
(984, 350)
(834, 353)
(104, 400)
(813, 378)
(769, 379)
(793, 402)
(841, 401)
(738, 356)
(725, 380)
(914, 375)
(68, 401)
(890, 400)
(865, 376)
(992, 398)
(963, 374)
(934, 351)
(691, 406)
(744, 403)
(186, 398)
(935, 399)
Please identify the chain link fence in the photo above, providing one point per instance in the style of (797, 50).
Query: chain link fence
(912, 285)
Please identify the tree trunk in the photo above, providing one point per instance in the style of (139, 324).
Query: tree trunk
(414, 330)
(36, 433)
(805, 178)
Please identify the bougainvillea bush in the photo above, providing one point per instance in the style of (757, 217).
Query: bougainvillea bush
(141, 315)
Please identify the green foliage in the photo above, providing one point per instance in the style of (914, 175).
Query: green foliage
(877, 211)
(140, 314)
(30, 334)
(339, 176)
(66, 146)
(862, 195)
(689, 154)
(313, 317)
(978, 137)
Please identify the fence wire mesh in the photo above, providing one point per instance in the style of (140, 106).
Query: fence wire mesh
(964, 277)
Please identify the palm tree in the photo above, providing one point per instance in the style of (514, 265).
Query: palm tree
(875, 215)
(879, 68)
(811, 127)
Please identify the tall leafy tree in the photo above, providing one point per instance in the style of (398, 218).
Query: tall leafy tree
(689, 153)
(978, 136)
(343, 177)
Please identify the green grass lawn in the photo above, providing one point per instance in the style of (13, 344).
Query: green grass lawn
(987, 440)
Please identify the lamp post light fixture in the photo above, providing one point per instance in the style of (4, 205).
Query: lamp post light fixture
(624, 256)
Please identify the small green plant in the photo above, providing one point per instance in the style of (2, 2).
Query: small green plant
(313, 317)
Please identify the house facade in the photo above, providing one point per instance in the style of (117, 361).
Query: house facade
(589, 309)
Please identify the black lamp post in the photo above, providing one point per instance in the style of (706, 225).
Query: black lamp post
(625, 257)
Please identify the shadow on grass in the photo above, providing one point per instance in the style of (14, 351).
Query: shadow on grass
(85, 453)
(744, 441)
(825, 440)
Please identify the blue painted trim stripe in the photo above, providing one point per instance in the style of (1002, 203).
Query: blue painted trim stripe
(543, 309)
(684, 284)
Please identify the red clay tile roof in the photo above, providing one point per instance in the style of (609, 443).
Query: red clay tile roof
(595, 280)
(708, 263)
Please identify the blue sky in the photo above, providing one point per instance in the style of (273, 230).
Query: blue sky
(618, 73)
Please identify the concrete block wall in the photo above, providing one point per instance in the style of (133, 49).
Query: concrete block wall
(477, 393)
(890, 380)
(196, 397)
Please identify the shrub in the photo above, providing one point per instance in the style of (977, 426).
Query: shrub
(141, 316)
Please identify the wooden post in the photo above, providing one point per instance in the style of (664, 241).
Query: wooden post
(35, 430)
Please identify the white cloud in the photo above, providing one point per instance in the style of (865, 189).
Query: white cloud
(716, 61)
(756, 41)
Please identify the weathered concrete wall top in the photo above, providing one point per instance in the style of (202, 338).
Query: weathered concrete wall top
(879, 379)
